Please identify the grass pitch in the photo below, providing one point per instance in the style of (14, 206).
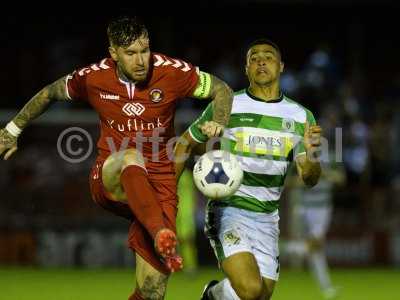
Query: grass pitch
(111, 284)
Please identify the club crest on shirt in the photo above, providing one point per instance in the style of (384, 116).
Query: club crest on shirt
(156, 95)
(288, 125)
(231, 238)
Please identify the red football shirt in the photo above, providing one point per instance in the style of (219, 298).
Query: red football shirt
(141, 115)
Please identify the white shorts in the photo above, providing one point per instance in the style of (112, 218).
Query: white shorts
(315, 221)
(232, 230)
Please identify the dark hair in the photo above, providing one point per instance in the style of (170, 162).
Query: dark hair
(264, 41)
(123, 31)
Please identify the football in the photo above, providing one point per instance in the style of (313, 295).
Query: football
(217, 174)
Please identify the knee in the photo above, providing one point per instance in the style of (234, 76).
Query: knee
(132, 157)
(152, 288)
(249, 290)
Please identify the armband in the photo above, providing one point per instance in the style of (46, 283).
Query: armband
(203, 86)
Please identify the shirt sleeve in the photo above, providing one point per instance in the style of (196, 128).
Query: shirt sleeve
(194, 131)
(299, 148)
(76, 86)
(186, 79)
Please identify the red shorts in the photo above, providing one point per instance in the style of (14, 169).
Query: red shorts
(139, 240)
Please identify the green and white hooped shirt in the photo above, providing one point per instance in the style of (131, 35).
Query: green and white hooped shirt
(265, 137)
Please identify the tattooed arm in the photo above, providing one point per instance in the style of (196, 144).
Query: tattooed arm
(39, 103)
(210, 86)
(222, 96)
(33, 109)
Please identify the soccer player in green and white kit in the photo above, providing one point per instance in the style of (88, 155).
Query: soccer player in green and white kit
(267, 131)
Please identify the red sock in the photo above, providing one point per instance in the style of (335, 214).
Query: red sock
(141, 199)
(136, 296)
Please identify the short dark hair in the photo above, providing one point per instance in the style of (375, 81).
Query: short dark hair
(264, 41)
(123, 31)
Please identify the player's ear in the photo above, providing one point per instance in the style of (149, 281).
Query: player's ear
(246, 65)
(282, 66)
(113, 53)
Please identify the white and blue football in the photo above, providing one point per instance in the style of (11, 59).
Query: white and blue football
(217, 174)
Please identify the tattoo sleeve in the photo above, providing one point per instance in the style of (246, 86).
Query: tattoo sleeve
(39, 103)
(222, 96)
(153, 288)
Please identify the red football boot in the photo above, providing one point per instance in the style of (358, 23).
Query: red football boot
(165, 244)
(174, 263)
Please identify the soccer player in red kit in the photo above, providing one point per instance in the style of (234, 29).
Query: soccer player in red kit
(135, 93)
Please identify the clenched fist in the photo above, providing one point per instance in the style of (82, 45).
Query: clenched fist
(211, 129)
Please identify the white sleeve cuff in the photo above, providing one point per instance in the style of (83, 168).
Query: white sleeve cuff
(13, 129)
(68, 77)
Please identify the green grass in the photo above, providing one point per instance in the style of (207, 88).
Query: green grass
(111, 284)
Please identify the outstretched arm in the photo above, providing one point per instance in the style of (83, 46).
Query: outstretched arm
(34, 108)
(222, 96)
(39, 103)
(210, 86)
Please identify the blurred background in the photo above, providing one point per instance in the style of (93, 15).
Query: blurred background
(341, 62)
